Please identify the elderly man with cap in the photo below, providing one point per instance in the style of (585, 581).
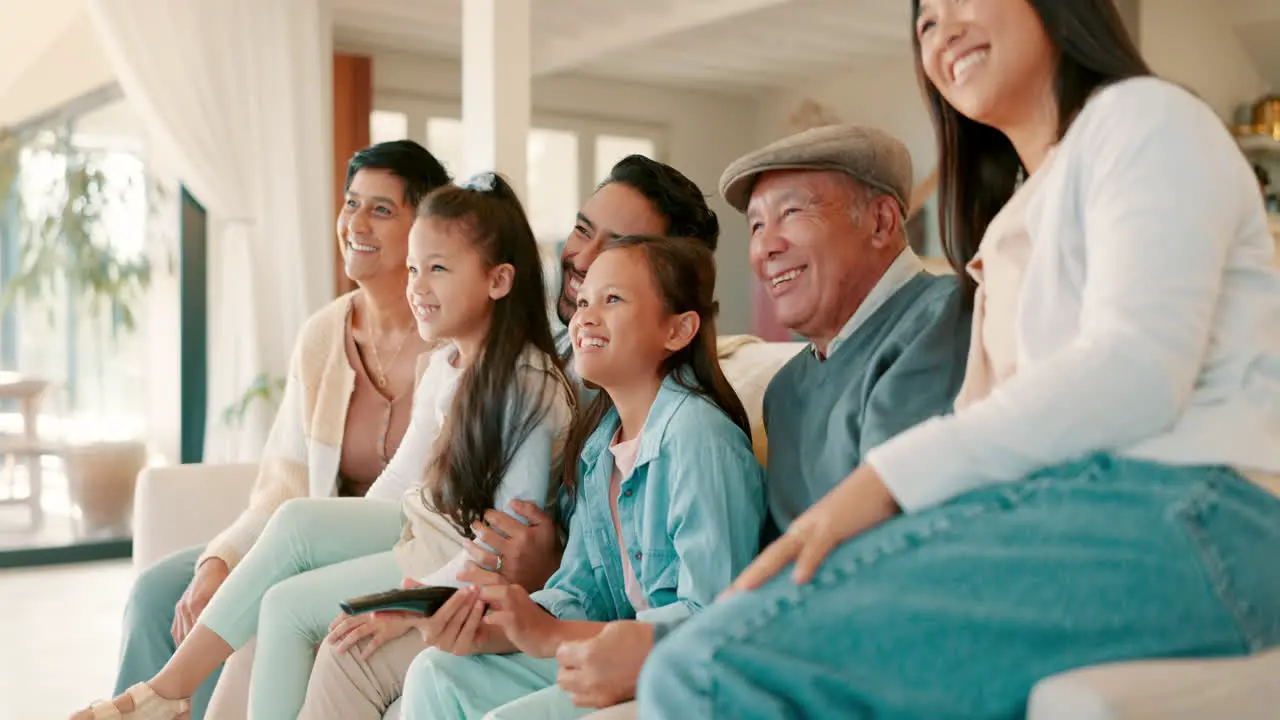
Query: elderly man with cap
(826, 211)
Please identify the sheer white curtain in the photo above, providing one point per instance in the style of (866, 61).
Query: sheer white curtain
(236, 94)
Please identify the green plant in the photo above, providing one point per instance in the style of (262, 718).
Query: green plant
(65, 246)
(264, 388)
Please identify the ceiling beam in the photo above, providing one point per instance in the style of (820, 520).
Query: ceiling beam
(643, 26)
(68, 111)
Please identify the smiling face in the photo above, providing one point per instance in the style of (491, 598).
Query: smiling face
(614, 210)
(622, 330)
(811, 247)
(451, 290)
(373, 226)
(991, 60)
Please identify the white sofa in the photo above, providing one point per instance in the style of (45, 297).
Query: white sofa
(179, 507)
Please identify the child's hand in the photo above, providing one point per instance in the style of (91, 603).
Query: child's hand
(348, 630)
(528, 627)
(602, 671)
(457, 626)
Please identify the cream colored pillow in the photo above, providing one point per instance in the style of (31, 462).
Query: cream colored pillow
(749, 363)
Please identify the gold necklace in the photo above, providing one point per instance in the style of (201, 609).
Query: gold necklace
(381, 379)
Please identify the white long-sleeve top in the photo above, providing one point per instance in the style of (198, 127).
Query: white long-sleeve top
(431, 551)
(1148, 322)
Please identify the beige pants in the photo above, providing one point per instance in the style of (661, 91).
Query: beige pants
(625, 711)
(344, 687)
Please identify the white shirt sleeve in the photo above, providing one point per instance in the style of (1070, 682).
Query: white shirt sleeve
(1158, 191)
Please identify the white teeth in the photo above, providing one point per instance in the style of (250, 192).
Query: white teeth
(361, 247)
(592, 342)
(786, 276)
(960, 68)
(575, 284)
(423, 311)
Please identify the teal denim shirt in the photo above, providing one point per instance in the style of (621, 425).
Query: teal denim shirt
(690, 512)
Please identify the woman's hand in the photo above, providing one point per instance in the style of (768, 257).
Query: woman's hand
(856, 505)
(531, 629)
(208, 578)
(382, 627)
(457, 627)
(525, 555)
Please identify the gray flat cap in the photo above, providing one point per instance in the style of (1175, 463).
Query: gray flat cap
(870, 156)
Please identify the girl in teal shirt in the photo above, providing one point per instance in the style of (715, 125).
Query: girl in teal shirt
(668, 498)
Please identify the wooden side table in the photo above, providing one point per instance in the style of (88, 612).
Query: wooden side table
(29, 391)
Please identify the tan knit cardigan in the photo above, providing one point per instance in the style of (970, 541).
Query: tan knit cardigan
(301, 456)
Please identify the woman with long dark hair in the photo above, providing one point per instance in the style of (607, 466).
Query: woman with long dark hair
(1097, 494)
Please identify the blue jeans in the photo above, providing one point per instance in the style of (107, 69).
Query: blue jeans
(956, 612)
(148, 619)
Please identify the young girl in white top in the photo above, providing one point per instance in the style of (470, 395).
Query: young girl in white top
(1097, 494)
(488, 428)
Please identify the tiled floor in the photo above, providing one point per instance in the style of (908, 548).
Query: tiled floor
(59, 635)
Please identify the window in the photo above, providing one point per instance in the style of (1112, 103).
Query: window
(552, 173)
(82, 338)
(612, 148)
(385, 126)
(552, 157)
(95, 317)
(444, 140)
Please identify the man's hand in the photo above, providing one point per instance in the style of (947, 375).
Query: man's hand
(603, 671)
(529, 553)
(531, 629)
(457, 627)
(208, 578)
(382, 627)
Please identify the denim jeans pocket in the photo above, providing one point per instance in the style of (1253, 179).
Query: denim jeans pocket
(1235, 528)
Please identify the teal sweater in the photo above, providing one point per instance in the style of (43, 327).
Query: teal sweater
(901, 366)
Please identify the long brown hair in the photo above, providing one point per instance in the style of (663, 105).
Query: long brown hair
(684, 272)
(977, 165)
(498, 403)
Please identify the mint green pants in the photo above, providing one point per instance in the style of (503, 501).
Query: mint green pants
(314, 553)
(440, 686)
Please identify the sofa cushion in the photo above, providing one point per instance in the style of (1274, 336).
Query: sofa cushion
(749, 363)
(1242, 688)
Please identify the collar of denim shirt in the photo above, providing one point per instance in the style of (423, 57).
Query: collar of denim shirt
(674, 391)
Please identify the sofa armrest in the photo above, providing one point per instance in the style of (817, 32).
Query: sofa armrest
(182, 506)
(1241, 688)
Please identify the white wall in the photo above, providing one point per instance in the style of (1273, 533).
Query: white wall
(1188, 41)
(701, 134)
(1192, 42)
(881, 93)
